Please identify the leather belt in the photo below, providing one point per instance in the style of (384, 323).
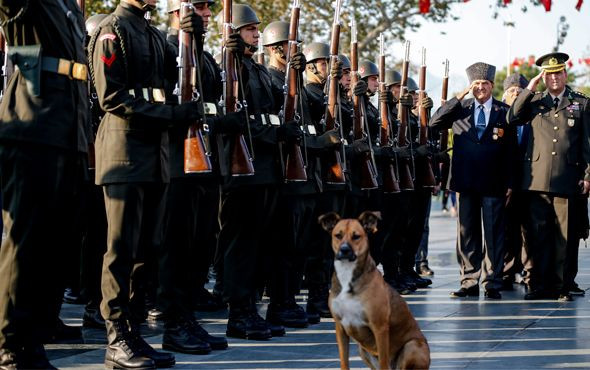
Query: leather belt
(267, 119)
(150, 94)
(68, 68)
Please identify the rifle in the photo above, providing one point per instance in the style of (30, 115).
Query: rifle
(405, 175)
(294, 166)
(390, 181)
(424, 166)
(82, 5)
(367, 164)
(241, 159)
(196, 157)
(336, 169)
(444, 134)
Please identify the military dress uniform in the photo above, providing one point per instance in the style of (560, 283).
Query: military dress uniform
(130, 61)
(557, 158)
(43, 143)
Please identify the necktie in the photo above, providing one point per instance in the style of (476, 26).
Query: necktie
(555, 103)
(519, 130)
(480, 126)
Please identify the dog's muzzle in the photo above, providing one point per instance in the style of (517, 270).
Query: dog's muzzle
(345, 253)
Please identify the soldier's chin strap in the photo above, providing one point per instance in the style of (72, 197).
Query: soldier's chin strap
(316, 72)
(280, 51)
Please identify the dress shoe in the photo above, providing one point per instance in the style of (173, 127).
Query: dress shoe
(317, 302)
(92, 319)
(575, 290)
(161, 359)
(8, 360)
(178, 337)
(424, 270)
(288, 315)
(276, 330)
(34, 357)
(122, 349)
(313, 318)
(565, 297)
(72, 297)
(493, 294)
(216, 343)
(420, 282)
(244, 322)
(466, 292)
(207, 302)
(397, 285)
(407, 283)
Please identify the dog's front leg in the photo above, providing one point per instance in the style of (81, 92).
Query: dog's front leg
(382, 339)
(343, 344)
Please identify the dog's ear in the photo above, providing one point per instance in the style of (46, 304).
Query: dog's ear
(368, 220)
(329, 220)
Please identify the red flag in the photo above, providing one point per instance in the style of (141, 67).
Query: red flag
(506, 2)
(424, 6)
(579, 5)
(546, 4)
(570, 64)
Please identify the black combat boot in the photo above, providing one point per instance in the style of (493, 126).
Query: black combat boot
(178, 337)
(161, 359)
(317, 302)
(92, 318)
(216, 343)
(122, 350)
(286, 314)
(244, 322)
(33, 356)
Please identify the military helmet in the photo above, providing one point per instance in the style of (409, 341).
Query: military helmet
(368, 68)
(174, 5)
(315, 51)
(243, 15)
(392, 77)
(412, 85)
(345, 61)
(276, 32)
(93, 22)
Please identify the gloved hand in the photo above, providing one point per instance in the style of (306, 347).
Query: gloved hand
(298, 61)
(290, 131)
(336, 70)
(360, 88)
(386, 97)
(407, 100)
(187, 113)
(427, 103)
(231, 123)
(236, 44)
(330, 139)
(192, 23)
(360, 146)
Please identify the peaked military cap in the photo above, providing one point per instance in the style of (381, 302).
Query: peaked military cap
(552, 62)
(481, 71)
(515, 79)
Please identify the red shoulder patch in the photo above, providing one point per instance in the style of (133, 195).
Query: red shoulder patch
(107, 36)
(108, 61)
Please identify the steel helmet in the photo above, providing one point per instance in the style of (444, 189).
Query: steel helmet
(345, 61)
(243, 15)
(315, 51)
(368, 68)
(392, 77)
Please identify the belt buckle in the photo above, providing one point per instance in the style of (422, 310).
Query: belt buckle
(64, 67)
(79, 71)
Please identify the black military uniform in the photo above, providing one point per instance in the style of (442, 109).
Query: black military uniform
(129, 65)
(43, 145)
(557, 159)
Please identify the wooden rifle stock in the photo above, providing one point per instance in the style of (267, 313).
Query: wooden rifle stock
(425, 174)
(294, 166)
(390, 181)
(406, 181)
(82, 5)
(335, 170)
(196, 158)
(241, 160)
(444, 134)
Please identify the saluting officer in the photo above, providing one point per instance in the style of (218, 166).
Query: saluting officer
(44, 134)
(555, 171)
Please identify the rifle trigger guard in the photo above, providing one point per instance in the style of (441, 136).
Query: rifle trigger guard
(297, 117)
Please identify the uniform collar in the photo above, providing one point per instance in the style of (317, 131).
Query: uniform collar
(132, 13)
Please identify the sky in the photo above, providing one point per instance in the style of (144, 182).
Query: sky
(477, 37)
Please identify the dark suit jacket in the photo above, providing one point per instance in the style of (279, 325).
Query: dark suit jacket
(558, 146)
(481, 166)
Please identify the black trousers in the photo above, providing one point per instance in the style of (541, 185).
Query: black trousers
(40, 186)
(394, 226)
(516, 257)
(135, 215)
(187, 249)
(417, 214)
(477, 256)
(245, 217)
(548, 225)
(287, 252)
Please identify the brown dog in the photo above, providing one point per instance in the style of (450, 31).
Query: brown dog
(364, 306)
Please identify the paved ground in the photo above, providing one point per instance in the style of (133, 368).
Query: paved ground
(472, 333)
